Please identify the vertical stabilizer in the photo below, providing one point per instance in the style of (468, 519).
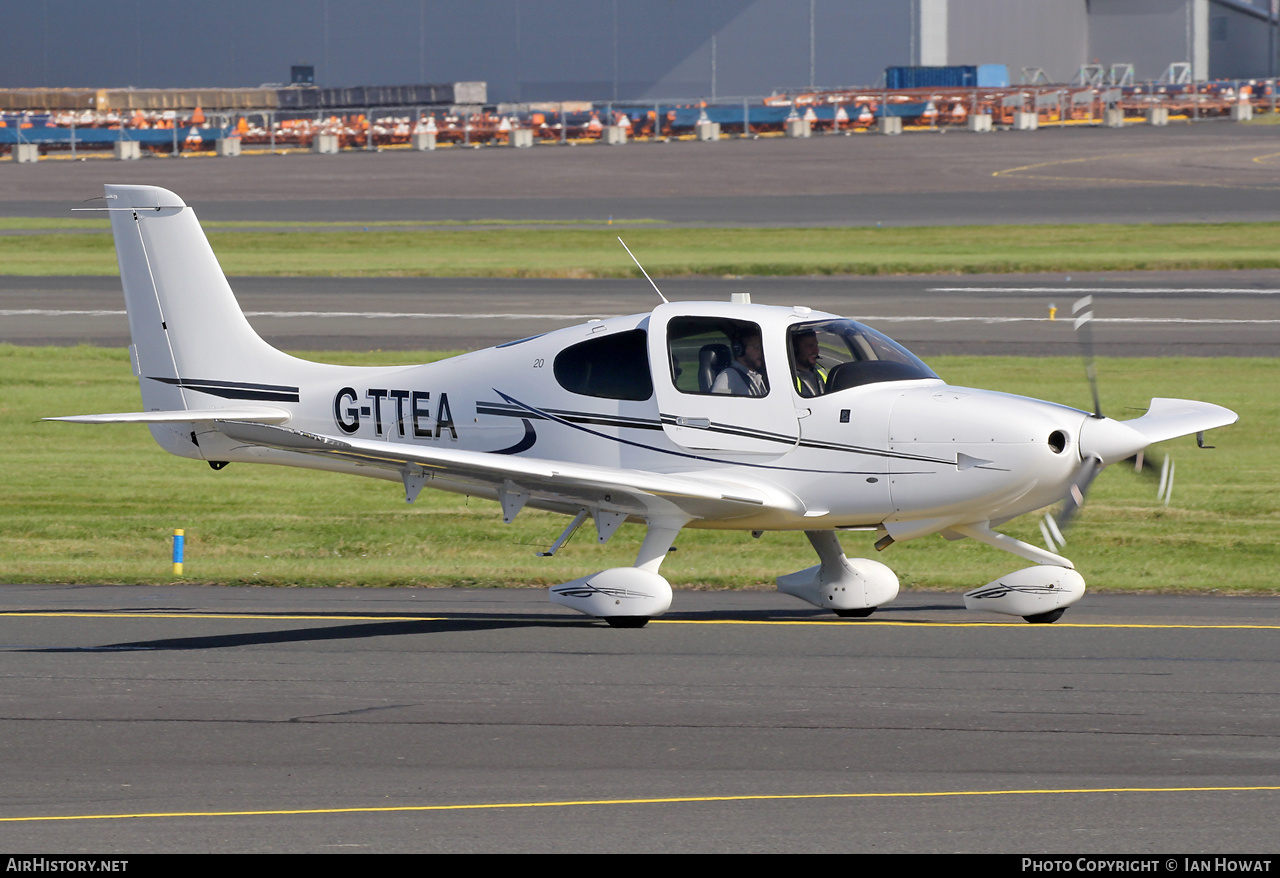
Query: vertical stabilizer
(193, 347)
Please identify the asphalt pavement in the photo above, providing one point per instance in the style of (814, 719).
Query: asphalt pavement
(1138, 313)
(1207, 172)
(194, 719)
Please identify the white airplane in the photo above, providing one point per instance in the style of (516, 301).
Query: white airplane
(620, 420)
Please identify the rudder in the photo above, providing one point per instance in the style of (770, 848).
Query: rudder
(192, 345)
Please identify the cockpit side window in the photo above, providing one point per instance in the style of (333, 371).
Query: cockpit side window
(612, 366)
(716, 355)
(814, 351)
(833, 355)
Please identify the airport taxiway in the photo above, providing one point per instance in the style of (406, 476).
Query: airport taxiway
(1139, 313)
(1207, 172)
(192, 718)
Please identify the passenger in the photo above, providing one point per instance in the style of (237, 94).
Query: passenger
(745, 375)
(811, 379)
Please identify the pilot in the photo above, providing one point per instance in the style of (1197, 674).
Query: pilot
(745, 375)
(811, 379)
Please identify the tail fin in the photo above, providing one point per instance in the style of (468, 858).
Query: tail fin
(192, 346)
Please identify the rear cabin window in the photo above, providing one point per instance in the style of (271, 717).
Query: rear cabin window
(700, 348)
(613, 366)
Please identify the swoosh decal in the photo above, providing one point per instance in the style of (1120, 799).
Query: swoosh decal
(235, 389)
(684, 454)
(575, 419)
(525, 443)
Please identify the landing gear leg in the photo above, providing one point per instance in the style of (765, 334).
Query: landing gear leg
(850, 587)
(1039, 595)
(626, 597)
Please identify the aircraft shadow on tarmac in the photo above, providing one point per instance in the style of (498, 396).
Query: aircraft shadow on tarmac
(800, 614)
(444, 623)
(315, 633)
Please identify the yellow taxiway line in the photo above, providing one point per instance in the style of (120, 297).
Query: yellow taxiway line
(579, 803)
(1026, 172)
(293, 617)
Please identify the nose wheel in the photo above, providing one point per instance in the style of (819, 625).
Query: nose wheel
(855, 614)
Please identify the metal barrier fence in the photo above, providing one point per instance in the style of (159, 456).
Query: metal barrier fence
(803, 114)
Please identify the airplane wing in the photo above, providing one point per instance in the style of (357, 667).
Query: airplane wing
(553, 482)
(1170, 418)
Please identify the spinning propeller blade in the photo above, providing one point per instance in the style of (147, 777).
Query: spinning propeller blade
(1083, 308)
(1052, 527)
(1165, 491)
(1163, 474)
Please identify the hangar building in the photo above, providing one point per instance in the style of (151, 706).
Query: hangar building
(530, 50)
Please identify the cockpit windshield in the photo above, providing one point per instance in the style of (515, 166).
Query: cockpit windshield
(828, 356)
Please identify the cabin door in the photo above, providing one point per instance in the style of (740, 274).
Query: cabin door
(689, 347)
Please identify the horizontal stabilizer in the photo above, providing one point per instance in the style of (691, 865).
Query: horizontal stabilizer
(253, 414)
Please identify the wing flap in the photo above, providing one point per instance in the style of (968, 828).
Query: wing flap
(254, 414)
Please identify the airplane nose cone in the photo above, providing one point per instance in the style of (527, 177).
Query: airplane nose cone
(1109, 440)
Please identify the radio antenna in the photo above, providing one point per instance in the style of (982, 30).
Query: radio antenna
(642, 271)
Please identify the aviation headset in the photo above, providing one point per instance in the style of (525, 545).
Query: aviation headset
(738, 343)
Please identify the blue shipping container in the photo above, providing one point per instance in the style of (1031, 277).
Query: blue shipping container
(993, 76)
(963, 76)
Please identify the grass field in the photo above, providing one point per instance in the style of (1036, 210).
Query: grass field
(49, 224)
(515, 250)
(97, 504)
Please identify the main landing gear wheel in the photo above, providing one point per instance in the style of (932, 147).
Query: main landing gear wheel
(627, 621)
(855, 614)
(1046, 618)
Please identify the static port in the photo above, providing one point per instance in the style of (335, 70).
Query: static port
(1057, 441)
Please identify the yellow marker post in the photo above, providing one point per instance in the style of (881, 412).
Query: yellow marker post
(177, 551)
(1053, 311)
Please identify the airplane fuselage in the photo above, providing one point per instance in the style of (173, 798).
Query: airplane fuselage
(886, 452)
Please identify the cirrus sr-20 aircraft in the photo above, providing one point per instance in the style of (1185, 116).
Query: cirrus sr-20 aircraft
(827, 425)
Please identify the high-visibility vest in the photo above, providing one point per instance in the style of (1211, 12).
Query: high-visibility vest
(819, 371)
